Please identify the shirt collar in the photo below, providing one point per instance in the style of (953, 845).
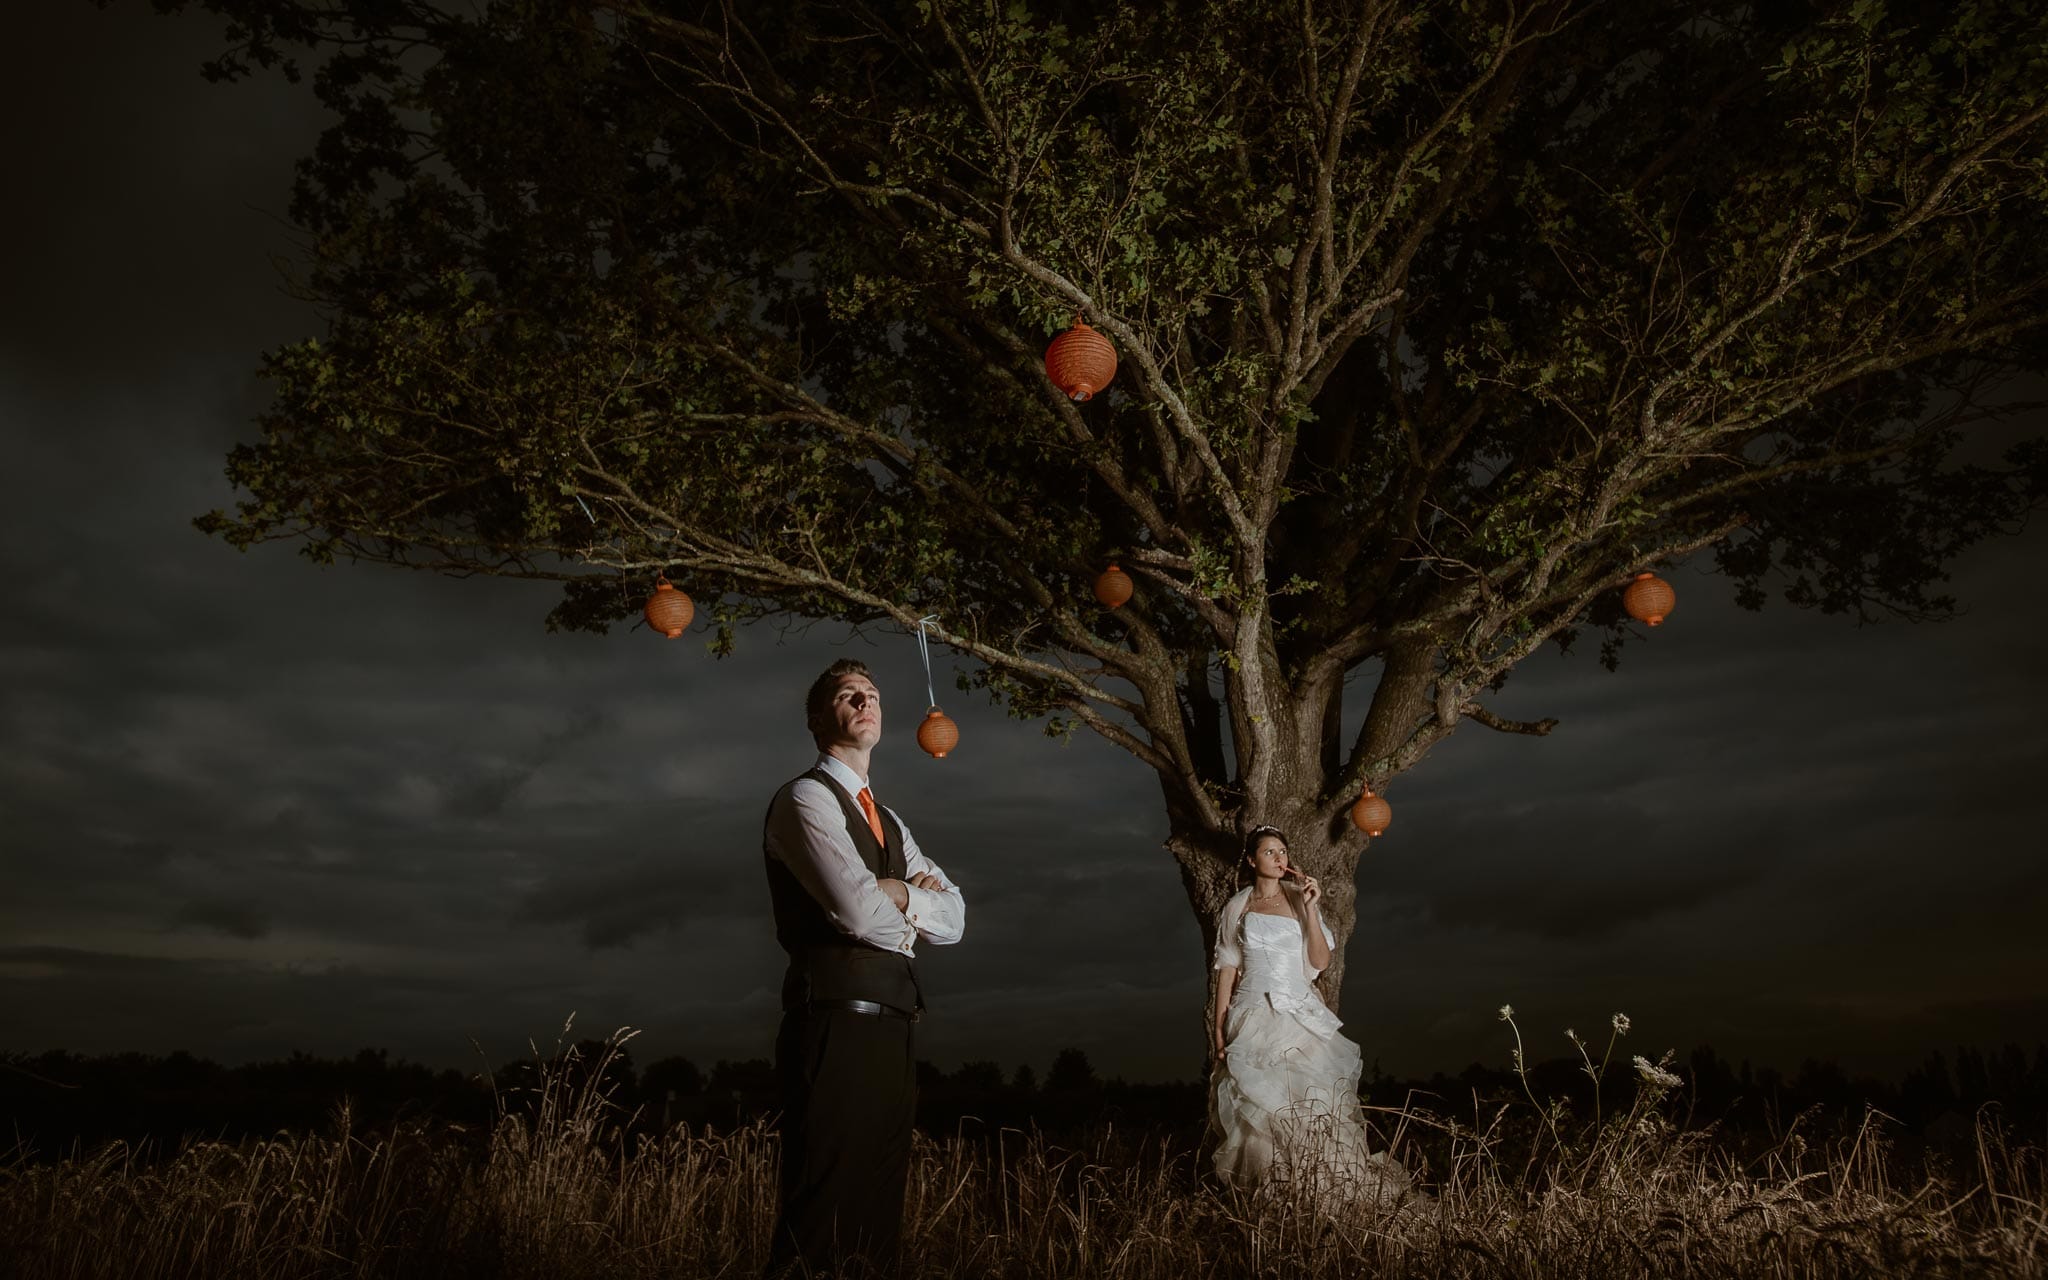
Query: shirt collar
(842, 773)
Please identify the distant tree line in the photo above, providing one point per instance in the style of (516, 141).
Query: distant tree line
(56, 1102)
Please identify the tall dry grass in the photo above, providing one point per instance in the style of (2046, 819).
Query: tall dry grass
(558, 1188)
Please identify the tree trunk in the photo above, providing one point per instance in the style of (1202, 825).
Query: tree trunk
(1297, 801)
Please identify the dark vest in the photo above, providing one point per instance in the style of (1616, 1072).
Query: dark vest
(825, 964)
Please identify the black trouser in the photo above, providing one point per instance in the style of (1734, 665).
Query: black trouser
(849, 1094)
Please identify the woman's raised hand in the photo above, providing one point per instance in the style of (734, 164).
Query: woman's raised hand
(1310, 890)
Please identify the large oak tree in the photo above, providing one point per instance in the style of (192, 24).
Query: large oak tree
(1437, 321)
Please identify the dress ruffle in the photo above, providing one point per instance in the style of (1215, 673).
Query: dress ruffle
(1310, 1011)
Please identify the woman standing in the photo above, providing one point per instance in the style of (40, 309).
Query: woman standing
(1284, 1085)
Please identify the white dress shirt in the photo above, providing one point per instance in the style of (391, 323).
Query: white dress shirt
(807, 833)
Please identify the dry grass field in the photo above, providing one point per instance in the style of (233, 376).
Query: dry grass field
(558, 1189)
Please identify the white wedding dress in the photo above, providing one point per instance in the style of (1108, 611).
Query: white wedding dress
(1284, 1099)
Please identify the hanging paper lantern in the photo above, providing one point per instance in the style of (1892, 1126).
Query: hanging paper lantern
(1080, 361)
(1649, 598)
(1371, 814)
(1113, 587)
(668, 610)
(938, 734)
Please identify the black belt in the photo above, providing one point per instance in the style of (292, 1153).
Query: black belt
(863, 1006)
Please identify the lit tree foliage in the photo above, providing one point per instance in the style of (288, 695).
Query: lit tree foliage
(1437, 321)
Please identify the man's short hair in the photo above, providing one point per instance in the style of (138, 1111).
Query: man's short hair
(818, 702)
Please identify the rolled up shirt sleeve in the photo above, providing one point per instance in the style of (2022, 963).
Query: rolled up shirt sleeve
(938, 916)
(806, 831)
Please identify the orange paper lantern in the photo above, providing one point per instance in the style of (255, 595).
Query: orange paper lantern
(1649, 598)
(668, 610)
(1371, 814)
(938, 734)
(1080, 361)
(1113, 587)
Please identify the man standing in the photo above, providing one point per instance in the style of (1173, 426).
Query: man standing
(852, 894)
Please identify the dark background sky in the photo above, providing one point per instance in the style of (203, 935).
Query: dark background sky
(248, 805)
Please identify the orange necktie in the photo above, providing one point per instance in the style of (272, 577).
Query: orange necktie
(867, 806)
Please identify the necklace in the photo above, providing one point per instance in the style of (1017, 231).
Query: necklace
(1265, 897)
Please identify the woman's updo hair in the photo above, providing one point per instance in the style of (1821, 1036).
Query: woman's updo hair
(1245, 874)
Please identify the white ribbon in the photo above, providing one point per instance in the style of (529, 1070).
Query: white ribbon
(924, 650)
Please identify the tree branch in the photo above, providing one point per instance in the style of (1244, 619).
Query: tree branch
(1536, 728)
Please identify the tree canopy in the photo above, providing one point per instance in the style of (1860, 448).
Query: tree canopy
(1437, 321)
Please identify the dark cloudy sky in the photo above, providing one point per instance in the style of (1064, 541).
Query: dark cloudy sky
(248, 805)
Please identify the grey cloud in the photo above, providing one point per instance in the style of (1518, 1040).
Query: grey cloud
(234, 919)
(487, 795)
(653, 875)
(50, 960)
